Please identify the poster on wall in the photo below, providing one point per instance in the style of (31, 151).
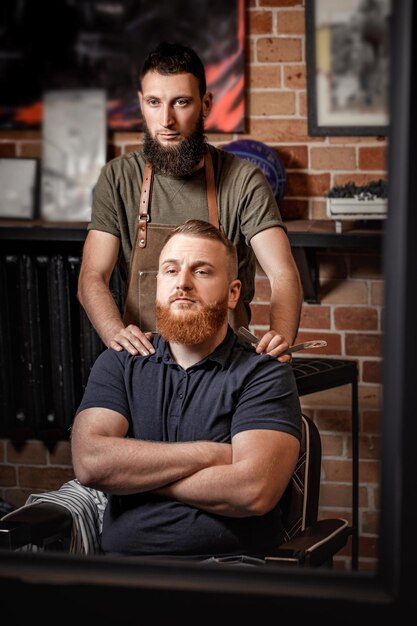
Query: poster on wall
(101, 44)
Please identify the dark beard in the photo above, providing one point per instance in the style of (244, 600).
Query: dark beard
(190, 327)
(177, 160)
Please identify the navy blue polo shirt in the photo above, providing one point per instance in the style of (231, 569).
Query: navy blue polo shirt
(232, 390)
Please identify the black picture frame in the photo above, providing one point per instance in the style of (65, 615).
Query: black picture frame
(19, 188)
(347, 57)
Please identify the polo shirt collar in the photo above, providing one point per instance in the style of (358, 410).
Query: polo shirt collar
(220, 354)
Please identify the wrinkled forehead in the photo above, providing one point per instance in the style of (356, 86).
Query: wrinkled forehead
(183, 248)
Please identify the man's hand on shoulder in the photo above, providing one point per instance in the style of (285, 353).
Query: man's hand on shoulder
(132, 339)
(274, 344)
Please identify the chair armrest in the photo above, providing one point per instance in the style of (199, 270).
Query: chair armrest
(314, 546)
(41, 524)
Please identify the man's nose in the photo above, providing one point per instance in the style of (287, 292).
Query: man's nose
(167, 116)
(184, 280)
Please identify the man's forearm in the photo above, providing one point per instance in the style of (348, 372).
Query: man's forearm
(126, 466)
(96, 299)
(285, 308)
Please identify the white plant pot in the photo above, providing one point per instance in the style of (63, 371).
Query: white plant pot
(353, 208)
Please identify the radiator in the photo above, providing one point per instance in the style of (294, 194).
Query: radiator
(47, 344)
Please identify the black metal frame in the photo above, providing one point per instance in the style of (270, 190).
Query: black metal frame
(113, 589)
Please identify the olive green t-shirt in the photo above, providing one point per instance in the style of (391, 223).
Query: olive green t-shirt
(245, 201)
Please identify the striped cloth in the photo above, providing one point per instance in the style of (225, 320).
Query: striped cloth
(86, 506)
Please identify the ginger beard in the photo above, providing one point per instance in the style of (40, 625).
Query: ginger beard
(178, 160)
(189, 326)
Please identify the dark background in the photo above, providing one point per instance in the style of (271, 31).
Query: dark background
(101, 44)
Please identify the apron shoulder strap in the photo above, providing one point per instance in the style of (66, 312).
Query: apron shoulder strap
(146, 191)
(211, 189)
(145, 195)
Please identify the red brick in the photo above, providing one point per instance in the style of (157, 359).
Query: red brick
(7, 475)
(291, 22)
(333, 158)
(369, 447)
(259, 22)
(363, 344)
(302, 98)
(295, 76)
(366, 266)
(262, 290)
(260, 314)
(337, 470)
(335, 496)
(332, 445)
(315, 316)
(334, 420)
(305, 184)
(369, 471)
(355, 318)
(377, 293)
(21, 135)
(279, 49)
(293, 157)
(61, 454)
(279, 3)
(281, 130)
(27, 453)
(264, 76)
(371, 422)
(31, 150)
(268, 103)
(7, 149)
(343, 291)
(332, 265)
(368, 547)
(293, 209)
(44, 479)
(369, 522)
(372, 371)
(318, 210)
(373, 158)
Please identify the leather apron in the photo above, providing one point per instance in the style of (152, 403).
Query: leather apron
(148, 243)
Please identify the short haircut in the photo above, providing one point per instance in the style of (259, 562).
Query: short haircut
(174, 58)
(205, 230)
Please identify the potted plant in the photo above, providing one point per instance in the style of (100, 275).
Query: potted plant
(351, 201)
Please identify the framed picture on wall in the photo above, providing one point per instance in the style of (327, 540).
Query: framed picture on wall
(18, 188)
(347, 49)
(73, 152)
(74, 44)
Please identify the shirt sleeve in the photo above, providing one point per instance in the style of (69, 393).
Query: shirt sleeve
(104, 215)
(269, 400)
(106, 384)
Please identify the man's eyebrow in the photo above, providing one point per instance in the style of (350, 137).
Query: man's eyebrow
(188, 96)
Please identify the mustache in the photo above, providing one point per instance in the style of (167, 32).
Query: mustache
(182, 294)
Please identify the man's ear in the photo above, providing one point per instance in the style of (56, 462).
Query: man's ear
(140, 99)
(207, 103)
(234, 293)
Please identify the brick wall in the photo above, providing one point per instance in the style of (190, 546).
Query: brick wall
(349, 313)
